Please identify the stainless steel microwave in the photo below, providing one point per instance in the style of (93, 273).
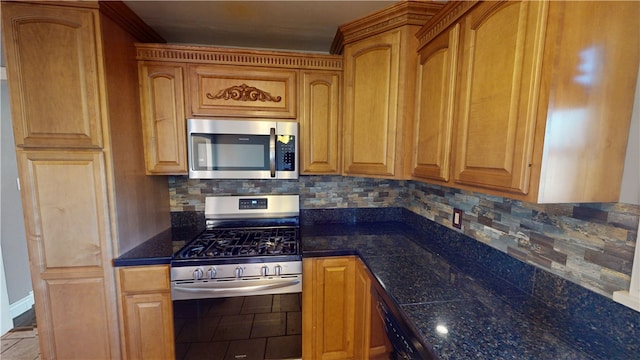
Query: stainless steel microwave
(242, 149)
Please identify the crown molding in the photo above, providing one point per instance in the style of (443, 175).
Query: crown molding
(450, 13)
(119, 12)
(399, 14)
(232, 56)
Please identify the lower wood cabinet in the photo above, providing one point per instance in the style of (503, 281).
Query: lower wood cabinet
(340, 320)
(147, 316)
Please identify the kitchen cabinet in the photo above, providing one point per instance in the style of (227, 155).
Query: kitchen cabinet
(339, 318)
(320, 122)
(147, 312)
(232, 83)
(543, 99)
(162, 101)
(433, 132)
(379, 86)
(72, 74)
(68, 111)
(242, 92)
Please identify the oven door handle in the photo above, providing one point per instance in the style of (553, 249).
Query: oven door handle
(219, 290)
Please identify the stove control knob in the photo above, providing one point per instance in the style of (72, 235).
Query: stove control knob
(198, 274)
(277, 270)
(211, 273)
(264, 270)
(239, 271)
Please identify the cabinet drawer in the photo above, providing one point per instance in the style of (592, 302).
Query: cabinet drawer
(242, 92)
(144, 278)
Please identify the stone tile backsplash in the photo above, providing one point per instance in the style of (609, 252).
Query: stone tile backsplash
(589, 244)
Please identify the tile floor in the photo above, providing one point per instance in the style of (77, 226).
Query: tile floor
(21, 343)
(252, 327)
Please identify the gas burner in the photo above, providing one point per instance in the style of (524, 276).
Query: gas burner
(242, 242)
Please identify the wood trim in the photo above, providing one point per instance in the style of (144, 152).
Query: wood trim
(403, 13)
(120, 13)
(450, 13)
(225, 56)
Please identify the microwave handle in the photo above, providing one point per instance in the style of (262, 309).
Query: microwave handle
(272, 151)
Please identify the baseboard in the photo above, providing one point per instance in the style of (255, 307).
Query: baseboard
(20, 306)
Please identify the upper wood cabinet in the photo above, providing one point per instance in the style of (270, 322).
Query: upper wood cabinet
(238, 83)
(66, 112)
(379, 87)
(434, 110)
(543, 100)
(242, 92)
(320, 125)
(499, 72)
(162, 99)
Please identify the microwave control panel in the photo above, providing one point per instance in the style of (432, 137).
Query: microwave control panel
(286, 153)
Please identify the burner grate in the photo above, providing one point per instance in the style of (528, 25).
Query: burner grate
(242, 242)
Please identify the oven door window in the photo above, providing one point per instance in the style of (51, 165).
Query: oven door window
(230, 152)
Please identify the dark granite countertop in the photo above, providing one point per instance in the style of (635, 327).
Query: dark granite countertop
(431, 284)
(159, 249)
(430, 292)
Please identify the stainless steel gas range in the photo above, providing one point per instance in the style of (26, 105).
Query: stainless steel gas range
(236, 288)
(251, 246)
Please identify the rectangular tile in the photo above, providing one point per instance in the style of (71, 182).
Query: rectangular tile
(269, 324)
(234, 327)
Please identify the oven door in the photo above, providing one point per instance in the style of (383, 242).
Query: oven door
(239, 327)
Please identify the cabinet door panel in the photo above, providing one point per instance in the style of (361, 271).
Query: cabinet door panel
(329, 307)
(319, 122)
(78, 310)
(434, 115)
(163, 118)
(238, 91)
(149, 327)
(66, 190)
(62, 41)
(371, 91)
(500, 72)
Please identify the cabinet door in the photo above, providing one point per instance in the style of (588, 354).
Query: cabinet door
(42, 42)
(149, 326)
(502, 45)
(147, 312)
(320, 122)
(371, 71)
(436, 77)
(242, 91)
(163, 118)
(70, 269)
(329, 308)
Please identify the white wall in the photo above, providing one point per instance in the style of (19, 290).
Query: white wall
(13, 243)
(5, 318)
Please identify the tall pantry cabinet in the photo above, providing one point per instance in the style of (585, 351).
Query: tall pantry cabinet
(72, 78)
